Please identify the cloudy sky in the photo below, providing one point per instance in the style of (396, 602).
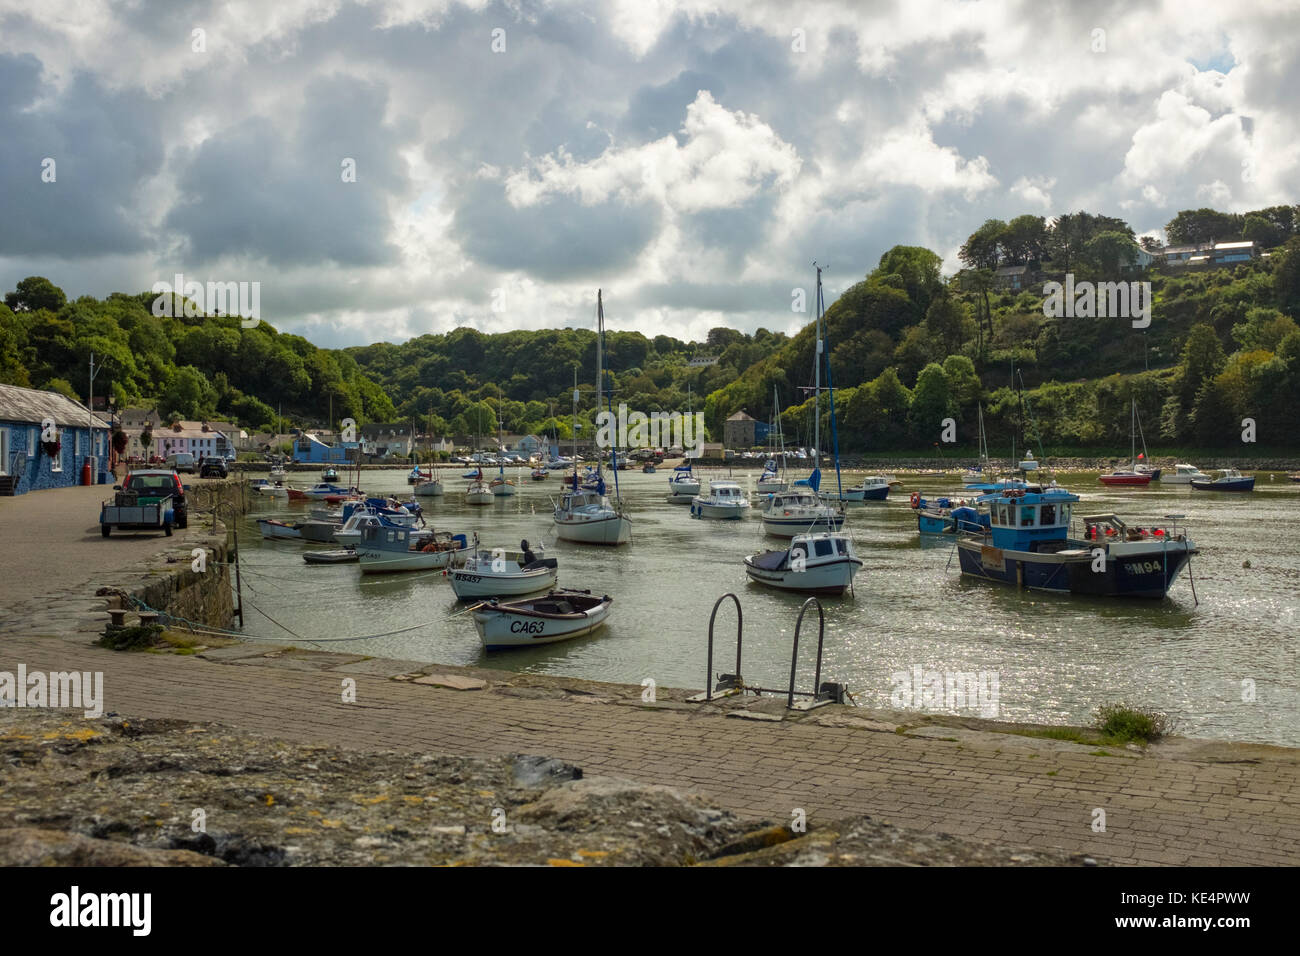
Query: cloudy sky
(692, 158)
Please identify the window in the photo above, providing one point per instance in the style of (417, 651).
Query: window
(1049, 515)
(841, 546)
(1027, 516)
(822, 547)
(33, 433)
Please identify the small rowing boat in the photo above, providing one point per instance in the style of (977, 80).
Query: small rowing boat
(557, 616)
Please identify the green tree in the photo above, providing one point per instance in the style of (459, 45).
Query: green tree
(983, 248)
(1108, 252)
(33, 293)
(1202, 225)
(931, 403)
(1025, 239)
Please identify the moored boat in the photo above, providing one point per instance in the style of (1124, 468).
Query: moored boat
(274, 528)
(557, 616)
(819, 563)
(1027, 545)
(1230, 479)
(725, 500)
(336, 556)
(947, 515)
(1183, 474)
(430, 488)
(387, 549)
(789, 512)
(479, 491)
(682, 485)
(496, 574)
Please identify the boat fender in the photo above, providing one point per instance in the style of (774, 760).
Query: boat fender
(916, 499)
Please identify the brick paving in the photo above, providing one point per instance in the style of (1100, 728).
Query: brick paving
(1027, 791)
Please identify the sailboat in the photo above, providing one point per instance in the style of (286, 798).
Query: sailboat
(1130, 475)
(501, 486)
(1141, 465)
(683, 486)
(770, 482)
(427, 485)
(800, 509)
(981, 471)
(588, 516)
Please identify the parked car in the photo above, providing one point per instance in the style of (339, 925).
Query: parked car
(181, 461)
(142, 489)
(213, 468)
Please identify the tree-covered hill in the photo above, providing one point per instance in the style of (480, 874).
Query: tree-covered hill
(195, 367)
(909, 348)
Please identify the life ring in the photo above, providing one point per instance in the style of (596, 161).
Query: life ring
(916, 499)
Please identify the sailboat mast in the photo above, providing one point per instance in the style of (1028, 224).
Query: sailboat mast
(817, 379)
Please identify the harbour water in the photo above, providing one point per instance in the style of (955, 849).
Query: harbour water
(1226, 668)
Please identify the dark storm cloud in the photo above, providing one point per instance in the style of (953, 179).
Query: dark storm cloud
(261, 190)
(556, 239)
(103, 146)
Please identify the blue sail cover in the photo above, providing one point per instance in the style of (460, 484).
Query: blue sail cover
(813, 481)
(685, 468)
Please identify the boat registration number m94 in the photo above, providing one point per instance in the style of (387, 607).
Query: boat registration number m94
(527, 627)
(1144, 567)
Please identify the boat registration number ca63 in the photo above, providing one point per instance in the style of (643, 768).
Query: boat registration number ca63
(527, 627)
(1143, 567)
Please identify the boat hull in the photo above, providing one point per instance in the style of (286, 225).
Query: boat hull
(724, 512)
(378, 561)
(830, 578)
(1146, 574)
(788, 527)
(429, 489)
(1125, 480)
(1241, 484)
(504, 627)
(278, 530)
(480, 584)
(612, 530)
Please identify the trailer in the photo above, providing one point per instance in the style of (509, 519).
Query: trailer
(156, 514)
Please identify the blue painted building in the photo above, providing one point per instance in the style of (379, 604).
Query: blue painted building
(309, 448)
(26, 462)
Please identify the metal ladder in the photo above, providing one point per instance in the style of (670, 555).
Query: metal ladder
(729, 685)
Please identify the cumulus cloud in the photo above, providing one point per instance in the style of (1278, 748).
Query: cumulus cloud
(692, 157)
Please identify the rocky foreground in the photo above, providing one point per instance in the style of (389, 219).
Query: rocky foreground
(123, 792)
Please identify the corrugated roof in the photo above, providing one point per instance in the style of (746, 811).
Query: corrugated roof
(741, 417)
(29, 405)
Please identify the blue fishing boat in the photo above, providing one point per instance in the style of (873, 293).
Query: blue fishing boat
(1230, 479)
(945, 515)
(1027, 545)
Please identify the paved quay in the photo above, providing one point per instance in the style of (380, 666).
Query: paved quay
(1208, 804)
(53, 558)
(1181, 802)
